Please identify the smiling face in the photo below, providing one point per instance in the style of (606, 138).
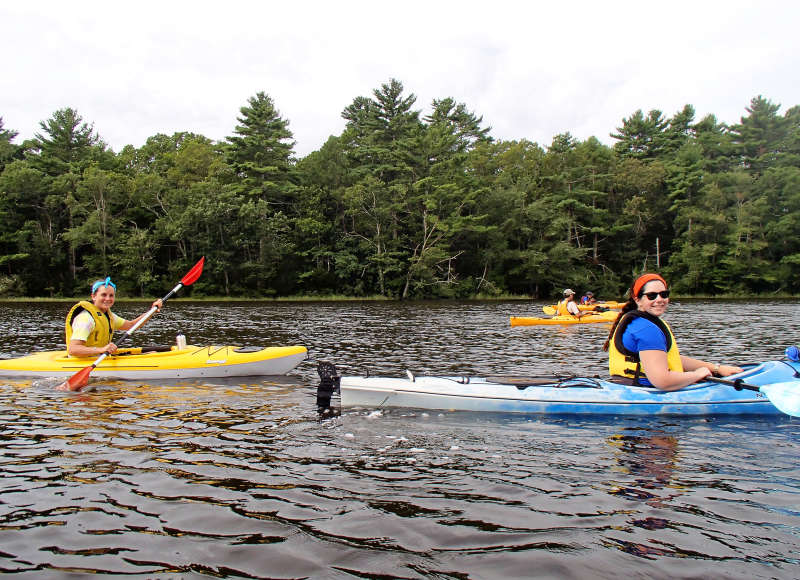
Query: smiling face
(103, 298)
(656, 307)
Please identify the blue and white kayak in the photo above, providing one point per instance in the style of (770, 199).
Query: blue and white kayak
(769, 388)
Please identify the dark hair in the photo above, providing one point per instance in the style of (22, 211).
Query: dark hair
(629, 305)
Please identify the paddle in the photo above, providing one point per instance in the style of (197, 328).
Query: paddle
(785, 396)
(81, 378)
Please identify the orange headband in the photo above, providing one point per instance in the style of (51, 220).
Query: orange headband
(639, 283)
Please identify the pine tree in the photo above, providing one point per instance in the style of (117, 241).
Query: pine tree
(8, 150)
(761, 135)
(641, 137)
(379, 142)
(260, 154)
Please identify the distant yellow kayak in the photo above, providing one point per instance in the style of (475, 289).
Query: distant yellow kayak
(189, 362)
(551, 310)
(600, 317)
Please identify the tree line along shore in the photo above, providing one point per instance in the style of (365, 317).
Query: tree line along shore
(406, 204)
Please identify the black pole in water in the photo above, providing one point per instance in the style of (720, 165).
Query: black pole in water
(328, 384)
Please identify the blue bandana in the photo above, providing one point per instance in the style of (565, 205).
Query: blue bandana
(107, 282)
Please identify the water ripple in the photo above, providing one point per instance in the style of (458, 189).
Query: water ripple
(241, 478)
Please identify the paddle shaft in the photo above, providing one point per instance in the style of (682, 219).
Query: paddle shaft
(737, 384)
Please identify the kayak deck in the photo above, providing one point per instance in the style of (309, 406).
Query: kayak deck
(190, 362)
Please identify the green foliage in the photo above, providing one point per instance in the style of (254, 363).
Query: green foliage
(406, 205)
(8, 151)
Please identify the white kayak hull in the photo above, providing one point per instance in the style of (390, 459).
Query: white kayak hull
(573, 396)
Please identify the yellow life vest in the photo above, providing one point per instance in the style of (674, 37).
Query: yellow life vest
(102, 333)
(625, 363)
(561, 308)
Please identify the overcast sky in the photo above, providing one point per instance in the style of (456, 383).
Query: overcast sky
(531, 69)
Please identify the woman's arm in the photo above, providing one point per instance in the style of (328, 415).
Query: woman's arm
(79, 348)
(128, 324)
(573, 309)
(654, 364)
(722, 370)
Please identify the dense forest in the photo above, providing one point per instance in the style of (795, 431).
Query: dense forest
(405, 205)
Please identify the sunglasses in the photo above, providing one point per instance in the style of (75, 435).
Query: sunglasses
(654, 295)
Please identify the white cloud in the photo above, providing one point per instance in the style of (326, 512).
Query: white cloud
(531, 69)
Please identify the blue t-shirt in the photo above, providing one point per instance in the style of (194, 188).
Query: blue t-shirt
(641, 334)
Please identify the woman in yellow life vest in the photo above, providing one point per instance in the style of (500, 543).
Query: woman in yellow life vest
(90, 325)
(641, 347)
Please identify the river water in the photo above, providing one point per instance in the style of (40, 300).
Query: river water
(243, 478)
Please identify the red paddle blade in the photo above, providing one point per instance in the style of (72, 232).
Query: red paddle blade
(193, 274)
(76, 381)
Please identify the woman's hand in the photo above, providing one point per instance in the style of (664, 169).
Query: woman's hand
(157, 305)
(701, 373)
(110, 348)
(728, 370)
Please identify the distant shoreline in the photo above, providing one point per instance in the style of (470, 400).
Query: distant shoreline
(337, 298)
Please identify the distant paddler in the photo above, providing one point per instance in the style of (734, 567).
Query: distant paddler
(568, 306)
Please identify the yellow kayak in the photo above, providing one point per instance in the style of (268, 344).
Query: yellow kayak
(611, 305)
(188, 362)
(607, 317)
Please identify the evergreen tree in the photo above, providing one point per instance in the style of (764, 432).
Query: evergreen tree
(8, 151)
(323, 176)
(67, 145)
(677, 133)
(260, 152)
(514, 254)
(260, 155)
(780, 188)
(761, 135)
(379, 140)
(717, 148)
(641, 137)
(65, 148)
(406, 206)
(442, 202)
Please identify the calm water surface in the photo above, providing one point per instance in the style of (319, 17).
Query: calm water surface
(242, 479)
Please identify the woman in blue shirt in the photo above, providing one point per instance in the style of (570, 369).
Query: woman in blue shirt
(641, 347)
